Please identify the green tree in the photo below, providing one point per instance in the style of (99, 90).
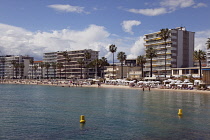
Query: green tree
(32, 63)
(60, 66)
(47, 66)
(151, 53)
(81, 62)
(3, 65)
(54, 66)
(121, 56)
(208, 43)
(67, 59)
(87, 56)
(165, 34)
(141, 60)
(199, 56)
(22, 66)
(103, 62)
(35, 70)
(42, 66)
(13, 62)
(16, 65)
(113, 49)
(95, 64)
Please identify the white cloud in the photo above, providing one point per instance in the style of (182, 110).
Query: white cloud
(173, 4)
(18, 41)
(149, 12)
(137, 48)
(128, 24)
(167, 6)
(200, 5)
(201, 39)
(67, 8)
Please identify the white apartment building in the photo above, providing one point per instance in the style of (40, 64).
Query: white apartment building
(131, 72)
(208, 57)
(50, 57)
(8, 70)
(71, 69)
(179, 54)
(35, 71)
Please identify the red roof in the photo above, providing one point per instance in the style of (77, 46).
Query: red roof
(37, 61)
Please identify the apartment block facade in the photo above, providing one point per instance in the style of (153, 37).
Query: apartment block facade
(179, 54)
(35, 71)
(14, 66)
(50, 57)
(208, 57)
(71, 68)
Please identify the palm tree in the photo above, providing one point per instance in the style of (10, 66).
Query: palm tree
(47, 66)
(22, 66)
(150, 53)
(42, 66)
(67, 58)
(199, 56)
(81, 63)
(113, 49)
(16, 66)
(35, 70)
(3, 62)
(121, 56)
(13, 62)
(208, 43)
(141, 60)
(95, 64)
(103, 62)
(165, 34)
(60, 66)
(87, 56)
(54, 66)
(32, 63)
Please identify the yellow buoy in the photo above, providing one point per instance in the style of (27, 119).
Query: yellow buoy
(82, 119)
(180, 112)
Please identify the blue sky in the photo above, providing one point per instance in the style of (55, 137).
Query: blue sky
(32, 27)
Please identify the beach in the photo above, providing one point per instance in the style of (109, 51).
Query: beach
(66, 83)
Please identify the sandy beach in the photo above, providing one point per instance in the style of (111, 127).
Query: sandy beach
(66, 84)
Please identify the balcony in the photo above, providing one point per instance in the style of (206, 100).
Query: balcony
(157, 42)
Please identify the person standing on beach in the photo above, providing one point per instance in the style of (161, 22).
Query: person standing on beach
(99, 84)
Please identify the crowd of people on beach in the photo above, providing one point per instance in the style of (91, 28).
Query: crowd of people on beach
(55, 82)
(80, 83)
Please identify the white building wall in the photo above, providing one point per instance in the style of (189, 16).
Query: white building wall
(191, 50)
(180, 49)
(26, 68)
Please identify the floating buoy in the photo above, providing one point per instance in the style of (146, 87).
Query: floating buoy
(180, 112)
(82, 119)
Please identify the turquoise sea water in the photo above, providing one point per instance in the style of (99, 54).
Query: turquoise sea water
(45, 112)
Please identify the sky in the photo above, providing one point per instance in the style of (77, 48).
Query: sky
(34, 27)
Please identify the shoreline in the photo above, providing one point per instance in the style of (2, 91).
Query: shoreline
(44, 83)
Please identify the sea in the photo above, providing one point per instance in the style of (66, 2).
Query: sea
(34, 112)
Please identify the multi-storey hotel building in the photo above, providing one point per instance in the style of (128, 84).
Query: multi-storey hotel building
(35, 71)
(12, 66)
(179, 54)
(71, 69)
(50, 57)
(208, 57)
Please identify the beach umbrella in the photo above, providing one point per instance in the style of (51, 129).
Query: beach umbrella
(157, 82)
(140, 82)
(190, 83)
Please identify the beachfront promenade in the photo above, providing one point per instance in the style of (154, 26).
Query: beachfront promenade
(69, 83)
